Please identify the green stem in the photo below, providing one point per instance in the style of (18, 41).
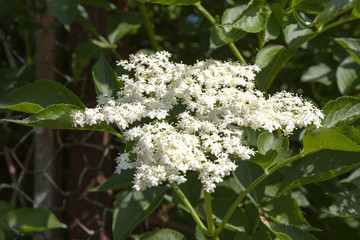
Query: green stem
(258, 181)
(148, 26)
(189, 207)
(212, 21)
(209, 218)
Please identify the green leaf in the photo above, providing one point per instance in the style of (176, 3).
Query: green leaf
(116, 181)
(353, 178)
(326, 138)
(303, 20)
(105, 78)
(5, 206)
(82, 55)
(171, 2)
(220, 37)
(319, 167)
(64, 10)
(161, 234)
(348, 75)
(352, 46)
(246, 173)
(270, 60)
(264, 160)
(272, 30)
(31, 220)
(348, 205)
(285, 232)
(121, 24)
(295, 36)
(318, 73)
(333, 8)
(59, 116)
(356, 10)
(238, 221)
(342, 111)
(38, 95)
(131, 208)
(286, 211)
(272, 149)
(100, 4)
(350, 132)
(253, 20)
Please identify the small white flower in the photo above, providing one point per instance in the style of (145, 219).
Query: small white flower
(219, 99)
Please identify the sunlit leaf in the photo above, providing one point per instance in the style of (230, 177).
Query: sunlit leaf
(352, 46)
(36, 96)
(342, 111)
(348, 205)
(348, 75)
(31, 220)
(161, 234)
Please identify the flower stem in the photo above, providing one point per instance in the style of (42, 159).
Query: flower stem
(189, 207)
(209, 218)
(256, 182)
(212, 21)
(148, 26)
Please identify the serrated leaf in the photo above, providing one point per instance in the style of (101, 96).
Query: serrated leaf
(270, 60)
(171, 2)
(352, 46)
(116, 181)
(31, 220)
(253, 21)
(64, 10)
(38, 95)
(220, 37)
(161, 234)
(326, 138)
(285, 210)
(131, 208)
(342, 111)
(246, 173)
(348, 205)
(59, 116)
(285, 232)
(348, 75)
(319, 167)
(105, 78)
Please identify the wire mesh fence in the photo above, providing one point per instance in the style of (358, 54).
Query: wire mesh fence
(60, 184)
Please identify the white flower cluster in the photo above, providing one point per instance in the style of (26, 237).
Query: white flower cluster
(218, 99)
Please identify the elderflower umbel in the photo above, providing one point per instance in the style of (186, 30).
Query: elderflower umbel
(218, 98)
